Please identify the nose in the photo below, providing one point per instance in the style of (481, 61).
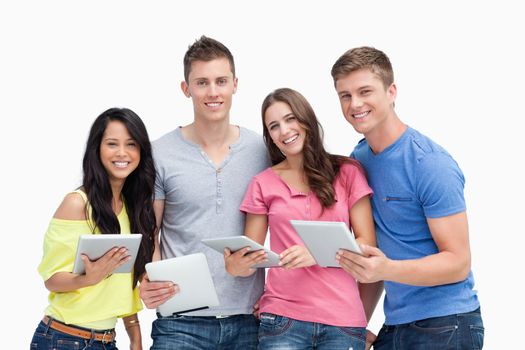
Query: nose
(284, 128)
(121, 150)
(212, 89)
(356, 102)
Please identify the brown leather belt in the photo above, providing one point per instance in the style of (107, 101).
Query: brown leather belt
(104, 336)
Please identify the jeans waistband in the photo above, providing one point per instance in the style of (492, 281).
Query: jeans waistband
(214, 317)
(105, 336)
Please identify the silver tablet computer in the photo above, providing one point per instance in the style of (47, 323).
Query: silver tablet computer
(96, 245)
(192, 275)
(235, 243)
(324, 238)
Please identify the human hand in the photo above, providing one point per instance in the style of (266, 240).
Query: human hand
(255, 311)
(295, 257)
(154, 294)
(101, 268)
(370, 339)
(239, 263)
(370, 267)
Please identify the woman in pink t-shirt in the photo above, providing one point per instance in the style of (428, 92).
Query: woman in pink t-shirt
(305, 306)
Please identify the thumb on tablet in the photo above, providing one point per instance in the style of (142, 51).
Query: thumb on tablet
(370, 251)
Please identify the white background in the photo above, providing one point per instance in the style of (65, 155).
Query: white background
(459, 72)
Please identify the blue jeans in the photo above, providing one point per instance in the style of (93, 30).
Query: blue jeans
(453, 332)
(279, 332)
(205, 332)
(46, 338)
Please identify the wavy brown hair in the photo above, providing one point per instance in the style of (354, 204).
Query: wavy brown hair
(320, 167)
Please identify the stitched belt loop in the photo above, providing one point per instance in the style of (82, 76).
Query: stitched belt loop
(47, 322)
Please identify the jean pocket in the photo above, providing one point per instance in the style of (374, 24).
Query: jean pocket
(434, 333)
(273, 325)
(477, 334)
(354, 332)
(69, 344)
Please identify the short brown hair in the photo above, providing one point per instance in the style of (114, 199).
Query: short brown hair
(364, 57)
(206, 49)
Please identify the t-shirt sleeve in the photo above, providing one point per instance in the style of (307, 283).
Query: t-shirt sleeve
(440, 185)
(60, 245)
(356, 183)
(253, 202)
(159, 182)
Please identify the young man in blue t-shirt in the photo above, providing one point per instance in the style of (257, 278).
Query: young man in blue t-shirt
(423, 252)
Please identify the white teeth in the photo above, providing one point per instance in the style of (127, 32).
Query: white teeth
(360, 115)
(291, 139)
(121, 164)
(213, 104)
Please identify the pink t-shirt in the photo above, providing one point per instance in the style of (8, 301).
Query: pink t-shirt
(314, 294)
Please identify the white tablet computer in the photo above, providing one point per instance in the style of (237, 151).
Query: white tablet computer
(192, 275)
(235, 243)
(324, 238)
(96, 245)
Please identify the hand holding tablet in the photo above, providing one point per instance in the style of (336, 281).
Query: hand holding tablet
(234, 243)
(325, 238)
(191, 273)
(97, 245)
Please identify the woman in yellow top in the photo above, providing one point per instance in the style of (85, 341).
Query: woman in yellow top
(115, 197)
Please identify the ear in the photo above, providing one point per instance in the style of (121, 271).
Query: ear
(235, 82)
(185, 88)
(392, 92)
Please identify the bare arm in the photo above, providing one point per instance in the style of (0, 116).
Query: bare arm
(158, 207)
(132, 326)
(154, 294)
(449, 265)
(363, 226)
(73, 208)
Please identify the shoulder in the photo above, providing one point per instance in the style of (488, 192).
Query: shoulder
(251, 137)
(428, 154)
(73, 207)
(360, 149)
(264, 176)
(168, 138)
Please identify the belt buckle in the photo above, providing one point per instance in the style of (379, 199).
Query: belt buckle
(110, 336)
(222, 316)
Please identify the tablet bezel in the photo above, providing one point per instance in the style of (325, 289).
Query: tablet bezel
(235, 243)
(324, 238)
(96, 245)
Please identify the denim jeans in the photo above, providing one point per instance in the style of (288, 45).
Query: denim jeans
(453, 332)
(46, 338)
(279, 332)
(205, 332)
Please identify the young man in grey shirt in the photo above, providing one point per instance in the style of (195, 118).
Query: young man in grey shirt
(203, 170)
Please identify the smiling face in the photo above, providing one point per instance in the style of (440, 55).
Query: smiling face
(284, 129)
(211, 85)
(119, 152)
(366, 104)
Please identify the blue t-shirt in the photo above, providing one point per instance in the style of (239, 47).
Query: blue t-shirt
(414, 179)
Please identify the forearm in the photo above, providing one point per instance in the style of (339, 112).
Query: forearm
(370, 294)
(67, 282)
(132, 326)
(436, 269)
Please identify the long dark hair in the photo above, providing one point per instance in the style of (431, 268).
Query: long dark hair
(320, 167)
(137, 190)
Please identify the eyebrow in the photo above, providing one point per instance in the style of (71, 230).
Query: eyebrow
(206, 78)
(284, 116)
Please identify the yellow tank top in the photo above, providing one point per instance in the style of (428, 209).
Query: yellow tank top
(97, 306)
